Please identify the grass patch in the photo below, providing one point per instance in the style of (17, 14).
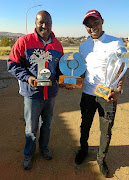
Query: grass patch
(71, 49)
(5, 48)
(5, 51)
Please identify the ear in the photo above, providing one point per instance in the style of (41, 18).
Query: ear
(102, 21)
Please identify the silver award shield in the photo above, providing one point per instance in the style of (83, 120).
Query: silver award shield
(72, 69)
(115, 61)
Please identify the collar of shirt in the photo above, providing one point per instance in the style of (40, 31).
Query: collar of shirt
(99, 39)
(48, 41)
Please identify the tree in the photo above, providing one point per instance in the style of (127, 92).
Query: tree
(4, 41)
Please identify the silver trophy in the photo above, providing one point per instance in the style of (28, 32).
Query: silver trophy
(113, 72)
(41, 58)
(43, 78)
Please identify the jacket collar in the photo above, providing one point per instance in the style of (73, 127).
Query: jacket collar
(37, 37)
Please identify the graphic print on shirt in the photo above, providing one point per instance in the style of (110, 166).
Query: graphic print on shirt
(40, 57)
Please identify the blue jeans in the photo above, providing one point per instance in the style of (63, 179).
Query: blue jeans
(35, 111)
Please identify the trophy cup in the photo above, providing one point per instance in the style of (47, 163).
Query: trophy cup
(43, 78)
(72, 69)
(115, 61)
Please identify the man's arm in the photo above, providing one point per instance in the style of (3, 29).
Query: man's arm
(16, 62)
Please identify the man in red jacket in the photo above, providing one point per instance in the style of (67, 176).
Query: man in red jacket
(30, 50)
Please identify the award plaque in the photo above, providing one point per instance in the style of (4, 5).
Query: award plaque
(72, 67)
(114, 63)
(40, 58)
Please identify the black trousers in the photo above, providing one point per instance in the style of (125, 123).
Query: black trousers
(89, 104)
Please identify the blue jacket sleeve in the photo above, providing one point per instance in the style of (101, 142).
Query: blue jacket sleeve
(17, 70)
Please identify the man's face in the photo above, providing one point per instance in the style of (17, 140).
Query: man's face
(43, 24)
(94, 27)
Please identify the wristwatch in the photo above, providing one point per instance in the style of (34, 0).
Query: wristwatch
(120, 90)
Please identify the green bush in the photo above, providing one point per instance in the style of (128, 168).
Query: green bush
(4, 42)
(4, 52)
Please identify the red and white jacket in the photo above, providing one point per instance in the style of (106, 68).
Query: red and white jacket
(21, 64)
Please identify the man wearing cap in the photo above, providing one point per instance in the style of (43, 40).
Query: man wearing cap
(96, 51)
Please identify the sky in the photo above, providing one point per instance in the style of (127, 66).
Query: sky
(67, 16)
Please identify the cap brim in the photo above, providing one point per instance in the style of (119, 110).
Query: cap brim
(85, 19)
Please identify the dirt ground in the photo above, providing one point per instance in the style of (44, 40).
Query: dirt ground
(65, 135)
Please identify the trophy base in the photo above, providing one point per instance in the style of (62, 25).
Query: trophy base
(42, 83)
(102, 91)
(76, 82)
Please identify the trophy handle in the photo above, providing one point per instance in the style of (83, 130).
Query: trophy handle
(123, 72)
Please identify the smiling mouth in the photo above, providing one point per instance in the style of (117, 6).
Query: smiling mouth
(94, 31)
(43, 30)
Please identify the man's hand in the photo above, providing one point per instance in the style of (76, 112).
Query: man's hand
(113, 96)
(31, 80)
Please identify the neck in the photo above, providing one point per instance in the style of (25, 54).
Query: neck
(101, 33)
